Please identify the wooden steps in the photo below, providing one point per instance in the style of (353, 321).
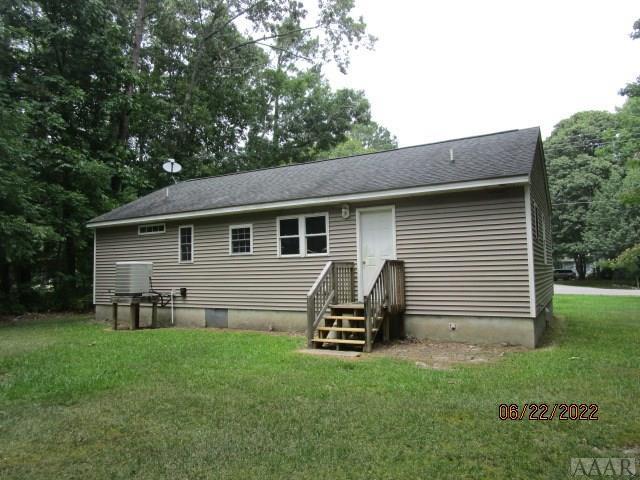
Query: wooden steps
(343, 325)
(344, 317)
(342, 329)
(338, 341)
(337, 330)
(347, 306)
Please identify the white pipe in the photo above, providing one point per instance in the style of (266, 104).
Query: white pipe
(172, 306)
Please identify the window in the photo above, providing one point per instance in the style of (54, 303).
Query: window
(316, 235)
(289, 236)
(185, 235)
(151, 229)
(547, 256)
(304, 235)
(544, 243)
(240, 239)
(535, 224)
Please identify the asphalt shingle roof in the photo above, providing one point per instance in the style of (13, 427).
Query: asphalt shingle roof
(497, 155)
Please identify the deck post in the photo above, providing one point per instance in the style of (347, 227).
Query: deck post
(368, 325)
(154, 313)
(352, 284)
(114, 313)
(310, 319)
(334, 283)
(134, 315)
(385, 328)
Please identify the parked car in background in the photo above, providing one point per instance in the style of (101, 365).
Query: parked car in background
(561, 274)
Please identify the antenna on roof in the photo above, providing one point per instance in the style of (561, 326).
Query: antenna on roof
(171, 166)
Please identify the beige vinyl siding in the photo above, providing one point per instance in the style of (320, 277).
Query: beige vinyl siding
(465, 254)
(261, 280)
(543, 271)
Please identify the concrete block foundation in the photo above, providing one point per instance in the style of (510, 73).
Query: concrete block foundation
(515, 331)
(472, 329)
(194, 317)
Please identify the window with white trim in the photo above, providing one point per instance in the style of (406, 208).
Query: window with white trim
(303, 235)
(544, 240)
(185, 239)
(151, 229)
(289, 236)
(240, 239)
(535, 223)
(315, 235)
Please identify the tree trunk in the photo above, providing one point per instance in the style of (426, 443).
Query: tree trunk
(581, 265)
(135, 60)
(5, 277)
(70, 256)
(22, 274)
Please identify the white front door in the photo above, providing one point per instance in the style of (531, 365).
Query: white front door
(376, 243)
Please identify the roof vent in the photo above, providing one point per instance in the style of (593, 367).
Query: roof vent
(451, 155)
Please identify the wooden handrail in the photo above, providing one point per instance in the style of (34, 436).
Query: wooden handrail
(323, 274)
(385, 297)
(335, 284)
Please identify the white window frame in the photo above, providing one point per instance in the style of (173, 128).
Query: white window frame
(193, 244)
(536, 221)
(164, 228)
(231, 228)
(302, 234)
(544, 240)
(325, 234)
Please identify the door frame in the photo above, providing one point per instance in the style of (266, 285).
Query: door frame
(381, 208)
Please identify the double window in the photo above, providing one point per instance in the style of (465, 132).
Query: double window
(240, 239)
(185, 242)
(303, 235)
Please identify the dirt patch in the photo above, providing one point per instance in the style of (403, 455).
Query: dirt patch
(443, 355)
(40, 317)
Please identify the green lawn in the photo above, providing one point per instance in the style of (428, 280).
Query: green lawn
(79, 401)
(590, 282)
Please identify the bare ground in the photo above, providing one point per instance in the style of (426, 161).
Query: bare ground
(443, 355)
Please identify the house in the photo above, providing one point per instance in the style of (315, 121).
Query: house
(467, 222)
(566, 263)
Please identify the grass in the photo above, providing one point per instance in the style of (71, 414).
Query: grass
(79, 401)
(590, 282)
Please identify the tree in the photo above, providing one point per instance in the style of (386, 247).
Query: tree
(626, 147)
(583, 132)
(363, 138)
(629, 262)
(94, 96)
(60, 67)
(586, 157)
(611, 225)
(630, 192)
(575, 181)
(633, 89)
(311, 118)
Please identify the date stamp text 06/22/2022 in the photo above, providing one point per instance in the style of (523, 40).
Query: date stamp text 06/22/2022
(548, 411)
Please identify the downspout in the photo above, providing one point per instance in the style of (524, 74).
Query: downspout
(172, 322)
(95, 232)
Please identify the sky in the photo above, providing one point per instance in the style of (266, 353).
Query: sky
(450, 68)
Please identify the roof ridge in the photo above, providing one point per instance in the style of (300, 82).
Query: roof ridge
(354, 156)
